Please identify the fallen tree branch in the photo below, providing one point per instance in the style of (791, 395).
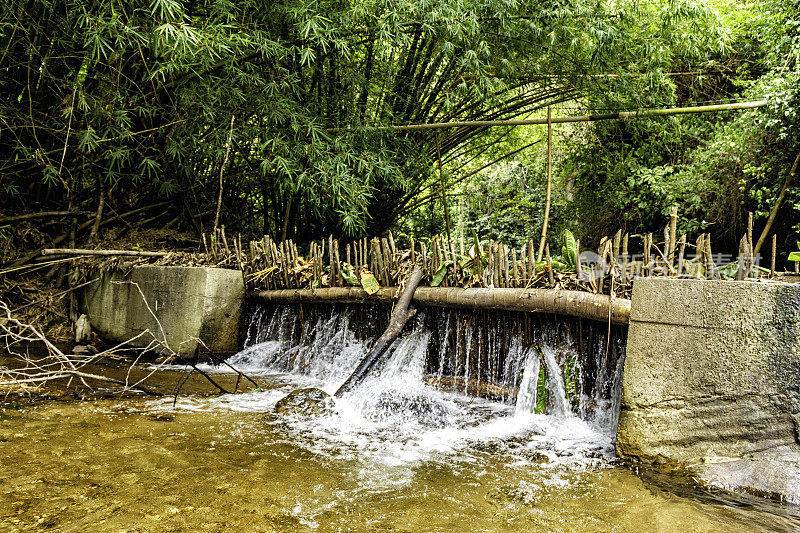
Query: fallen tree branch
(400, 315)
(572, 303)
(43, 214)
(56, 295)
(81, 251)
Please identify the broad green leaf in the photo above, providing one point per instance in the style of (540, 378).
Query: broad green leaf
(438, 277)
(794, 256)
(349, 274)
(570, 249)
(477, 244)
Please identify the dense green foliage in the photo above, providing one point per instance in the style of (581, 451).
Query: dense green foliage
(107, 106)
(715, 167)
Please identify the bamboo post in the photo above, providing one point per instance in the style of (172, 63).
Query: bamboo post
(774, 254)
(498, 266)
(550, 275)
(387, 260)
(504, 259)
(673, 234)
(745, 259)
(392, 246)
(549, 181)
(531, 262)
(338, 263)
(681, 254)
(625, 258)
(515, 271)
(710, 270)
(578, 266)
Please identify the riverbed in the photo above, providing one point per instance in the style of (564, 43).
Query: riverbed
(230, 463)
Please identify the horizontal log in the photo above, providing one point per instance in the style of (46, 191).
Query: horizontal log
(78, 251)
(571, 303)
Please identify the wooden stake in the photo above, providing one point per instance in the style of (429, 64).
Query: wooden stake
(681, 253)
(673, 234)
(774, 254)
(515, 278)
(549, 181)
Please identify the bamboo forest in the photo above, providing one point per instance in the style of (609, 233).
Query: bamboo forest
(395, 265)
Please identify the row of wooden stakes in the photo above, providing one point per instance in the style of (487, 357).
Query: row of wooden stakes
(279, 265)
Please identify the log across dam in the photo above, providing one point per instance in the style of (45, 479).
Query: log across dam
(700, 375)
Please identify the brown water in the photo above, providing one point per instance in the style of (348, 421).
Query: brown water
(230, 464)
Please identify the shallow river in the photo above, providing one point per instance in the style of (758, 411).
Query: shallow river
(229, 463)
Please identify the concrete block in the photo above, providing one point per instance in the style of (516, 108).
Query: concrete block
(179, 305)
(711, 376)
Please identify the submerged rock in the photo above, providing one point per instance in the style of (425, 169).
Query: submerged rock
(307, 402)
(425, 410)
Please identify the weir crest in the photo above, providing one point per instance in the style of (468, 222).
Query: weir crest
(559, 366)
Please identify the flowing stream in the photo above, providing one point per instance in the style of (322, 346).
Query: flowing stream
(476, 422)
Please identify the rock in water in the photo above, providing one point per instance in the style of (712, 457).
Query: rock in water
(307, 402)
(423, 409)
(83, 330)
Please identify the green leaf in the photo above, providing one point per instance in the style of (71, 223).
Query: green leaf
(478, 251)
(794, 256)
(570, 249)
(438, 277)
(349, 275)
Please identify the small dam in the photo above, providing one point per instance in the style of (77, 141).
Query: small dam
(700, 376)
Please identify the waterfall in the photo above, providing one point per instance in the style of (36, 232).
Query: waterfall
(497, 355)
(555, 383)
(527, 395)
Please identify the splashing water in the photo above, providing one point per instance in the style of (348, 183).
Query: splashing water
(527, 395)
(453, 382)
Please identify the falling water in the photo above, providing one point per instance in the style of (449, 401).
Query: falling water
(555, 384)
(500, 356)
(527, 395)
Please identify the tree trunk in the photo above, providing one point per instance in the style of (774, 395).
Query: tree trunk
(400, 316)
(570, 303)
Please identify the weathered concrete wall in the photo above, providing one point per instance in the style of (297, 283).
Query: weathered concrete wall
(189, 303)
(712, 380)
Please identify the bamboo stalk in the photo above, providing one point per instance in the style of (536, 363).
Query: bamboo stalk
(673, 233)
(623, 115)
(681, 254)
(571, 303)
(774, 254)
(79, 251)
(549, 181)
